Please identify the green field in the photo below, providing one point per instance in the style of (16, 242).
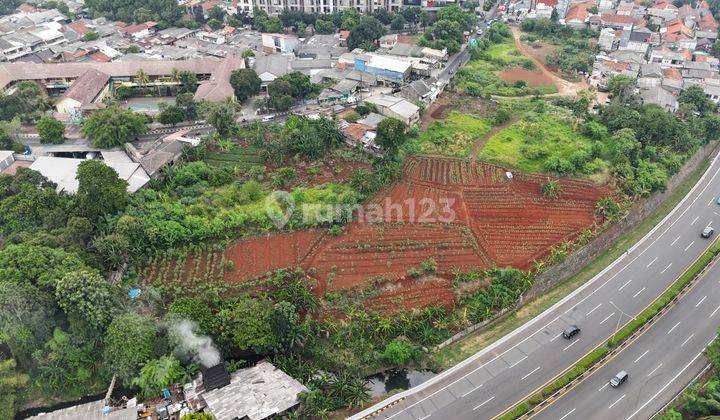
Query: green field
(239, 158)
(478, 77)
(544, 142)
(454, 136)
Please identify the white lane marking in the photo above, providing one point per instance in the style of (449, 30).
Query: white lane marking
(688, 247)
(471, 391)
(654, 370)
(606, 318)
(593, 309)
(604, 386)
(426, 417)
(556, 337)
(671, 329)
(571, 344)
(693, 222)
(487, 401)
(651, 262)
(638, 292)
(676, 239)
(566, 415)
(533, 371)
(711, 201)
(517, 363)
(686, 340)
(701, 301)
(713, 312)
(617, 401)
(665, 386)
(623, 286)
(666, 268)
(641, 356)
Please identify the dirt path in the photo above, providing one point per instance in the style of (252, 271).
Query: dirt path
(564, 87)
(479, 143)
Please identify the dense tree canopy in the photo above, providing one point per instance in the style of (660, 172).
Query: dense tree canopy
(140, 11)
(365, 34)
(100, 192)
(245, 82)
(130, 341)
(113, 126)
(51, 130)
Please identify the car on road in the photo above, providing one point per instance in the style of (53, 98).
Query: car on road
(619, 379)
(707, 232)
(268, 118)
(718, 200)
(571, 331)
(479, 31)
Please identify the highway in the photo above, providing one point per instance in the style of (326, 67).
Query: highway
(659, 363)
(513, 368)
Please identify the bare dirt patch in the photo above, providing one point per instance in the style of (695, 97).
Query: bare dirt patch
(447, 214)
(532, 78)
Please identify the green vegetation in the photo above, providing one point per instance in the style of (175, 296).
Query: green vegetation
(544, 140)
(166, 12)
(447, 30)
(113, 126)
(453, 136)
(576, 52)
(701, 400)
(27, 102)
(454, 353)
(494, 54)
(51, 130)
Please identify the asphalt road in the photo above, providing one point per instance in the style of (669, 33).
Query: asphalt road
(659, 363)
(513, 368)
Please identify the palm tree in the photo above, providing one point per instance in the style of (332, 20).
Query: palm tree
(175, 75)
(142, 78)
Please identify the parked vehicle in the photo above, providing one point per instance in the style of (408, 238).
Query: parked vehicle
(619, 379)
(268, 118)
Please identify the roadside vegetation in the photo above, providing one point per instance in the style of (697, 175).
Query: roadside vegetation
(702, 399)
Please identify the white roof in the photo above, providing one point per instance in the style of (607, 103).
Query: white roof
(63, 171)
(4, 154)
(389, 63)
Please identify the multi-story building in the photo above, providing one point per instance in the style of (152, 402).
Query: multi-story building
(327, 6)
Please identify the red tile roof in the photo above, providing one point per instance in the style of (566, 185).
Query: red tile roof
(550, 3)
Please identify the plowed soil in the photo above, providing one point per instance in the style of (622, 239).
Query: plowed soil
(533, 78)
(461, 215)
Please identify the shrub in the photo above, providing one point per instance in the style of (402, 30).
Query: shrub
(397, 353)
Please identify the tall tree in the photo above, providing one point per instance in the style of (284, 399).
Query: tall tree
(364, 35)
(220, 115)
(101, 192)
(113, 126)
(245, 83)
(130, 341)
(87, 295)
(51, 130)
(390, 135)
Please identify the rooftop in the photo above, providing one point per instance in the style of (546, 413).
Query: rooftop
(255, 393)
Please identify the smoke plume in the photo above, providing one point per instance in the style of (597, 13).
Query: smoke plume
(199, 348)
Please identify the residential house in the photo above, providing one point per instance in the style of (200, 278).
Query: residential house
(279, 43)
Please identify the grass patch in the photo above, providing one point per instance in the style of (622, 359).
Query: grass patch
(453, 136)
(478, 77)
(543, 142)
(455, 353)
(237, 158)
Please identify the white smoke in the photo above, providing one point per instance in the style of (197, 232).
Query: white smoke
(189, 345)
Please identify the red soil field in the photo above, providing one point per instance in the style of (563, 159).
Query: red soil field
(462, 215)
(533, 78)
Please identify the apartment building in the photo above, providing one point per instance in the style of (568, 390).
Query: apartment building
(327, 6)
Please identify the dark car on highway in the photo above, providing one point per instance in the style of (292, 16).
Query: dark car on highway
(707, 232)
(571, 331)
